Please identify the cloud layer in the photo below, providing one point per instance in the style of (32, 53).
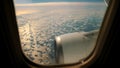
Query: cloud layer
(39, 29)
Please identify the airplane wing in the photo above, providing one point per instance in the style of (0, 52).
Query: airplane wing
(73, 47)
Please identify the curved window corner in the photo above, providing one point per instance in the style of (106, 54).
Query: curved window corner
(60, 33)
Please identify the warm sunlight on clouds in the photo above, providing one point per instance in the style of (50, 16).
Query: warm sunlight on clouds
(20, 12)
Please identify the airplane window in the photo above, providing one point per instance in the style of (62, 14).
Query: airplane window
(58, 31)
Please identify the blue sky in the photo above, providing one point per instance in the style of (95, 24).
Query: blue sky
(65, 0)
(37, 1)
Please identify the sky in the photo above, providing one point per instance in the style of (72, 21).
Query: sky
(39, 1)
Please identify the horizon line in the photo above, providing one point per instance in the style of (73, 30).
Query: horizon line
(56, 3)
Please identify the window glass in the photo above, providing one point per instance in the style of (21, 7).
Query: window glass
(58, 31)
